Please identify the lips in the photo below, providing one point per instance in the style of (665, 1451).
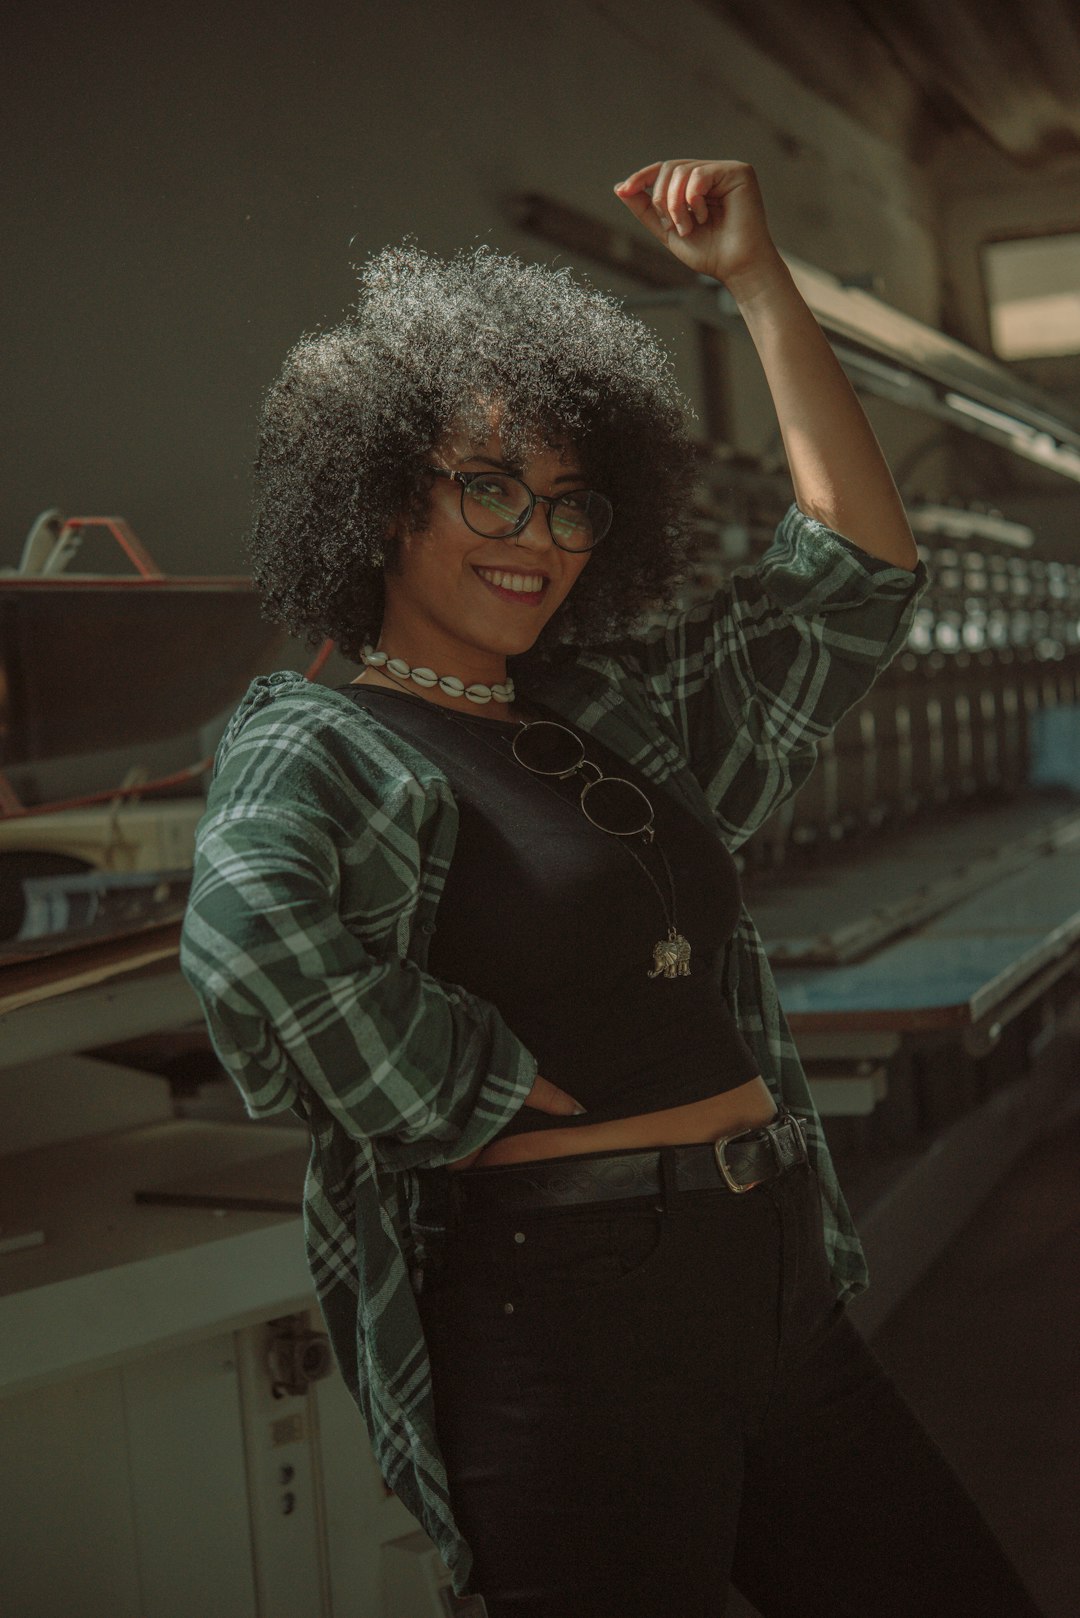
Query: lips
(524, 598)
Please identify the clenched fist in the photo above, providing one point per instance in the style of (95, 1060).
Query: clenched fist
(709, 214)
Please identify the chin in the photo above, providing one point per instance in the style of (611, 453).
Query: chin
(510, 645)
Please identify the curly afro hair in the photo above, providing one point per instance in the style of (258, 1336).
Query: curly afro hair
(348, 426)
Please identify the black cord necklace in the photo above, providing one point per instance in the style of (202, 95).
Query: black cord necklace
(671, 955)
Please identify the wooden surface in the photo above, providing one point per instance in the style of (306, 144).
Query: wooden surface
(67, 968)
(270, 1184)
(81, 1193)
(113, 1281)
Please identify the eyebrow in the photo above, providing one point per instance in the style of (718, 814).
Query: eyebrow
(505, 466)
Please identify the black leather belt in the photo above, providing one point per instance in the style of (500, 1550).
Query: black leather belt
(737, 1162)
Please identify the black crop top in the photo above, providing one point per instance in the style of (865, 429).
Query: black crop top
(551, 920)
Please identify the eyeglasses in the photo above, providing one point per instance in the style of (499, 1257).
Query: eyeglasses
(498, 506)
(615, 804)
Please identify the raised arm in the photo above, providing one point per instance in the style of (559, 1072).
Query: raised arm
(748, 682)
(711, 216)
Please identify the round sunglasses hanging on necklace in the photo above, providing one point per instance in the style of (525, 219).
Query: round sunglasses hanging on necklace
(545, 747)
(615, 806)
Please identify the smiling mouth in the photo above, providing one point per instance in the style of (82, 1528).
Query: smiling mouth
(525, 598)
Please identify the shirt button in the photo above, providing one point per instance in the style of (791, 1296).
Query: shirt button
(519, 1235)
(508, 1308)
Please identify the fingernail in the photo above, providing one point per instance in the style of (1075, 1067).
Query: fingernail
(577, 1110)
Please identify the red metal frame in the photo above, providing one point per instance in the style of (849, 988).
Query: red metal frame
(134, 549)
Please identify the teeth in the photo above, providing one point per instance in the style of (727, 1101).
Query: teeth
(521, 583)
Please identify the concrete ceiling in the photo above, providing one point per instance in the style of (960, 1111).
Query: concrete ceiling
(914, 70)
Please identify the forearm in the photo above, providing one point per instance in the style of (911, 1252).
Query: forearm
(839, 474)
(295, 1001)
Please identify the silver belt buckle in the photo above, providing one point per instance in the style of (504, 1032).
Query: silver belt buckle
(719, 1145)
(721, 1160)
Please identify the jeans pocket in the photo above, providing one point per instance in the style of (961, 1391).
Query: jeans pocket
(595, 1249)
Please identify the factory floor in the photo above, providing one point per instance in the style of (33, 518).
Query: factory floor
(987, 1351)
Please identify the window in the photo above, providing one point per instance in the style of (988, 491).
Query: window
(1033, 292)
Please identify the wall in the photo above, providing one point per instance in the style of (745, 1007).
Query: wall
(982, 196)
(190, 188)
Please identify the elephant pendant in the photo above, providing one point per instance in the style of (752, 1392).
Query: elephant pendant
(671, 956)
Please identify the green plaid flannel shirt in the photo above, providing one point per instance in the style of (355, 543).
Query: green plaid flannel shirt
(318, 867)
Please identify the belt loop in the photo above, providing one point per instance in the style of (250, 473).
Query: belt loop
(669, 1179)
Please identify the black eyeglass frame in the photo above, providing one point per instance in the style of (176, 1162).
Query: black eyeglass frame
(522, 522)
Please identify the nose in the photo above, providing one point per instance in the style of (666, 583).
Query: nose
(536, 535)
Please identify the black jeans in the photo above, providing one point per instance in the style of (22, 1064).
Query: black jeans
(642, 1399)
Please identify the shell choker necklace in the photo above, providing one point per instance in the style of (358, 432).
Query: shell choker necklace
(426, 678)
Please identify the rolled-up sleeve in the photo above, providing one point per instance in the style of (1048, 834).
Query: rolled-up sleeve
(753, 678)
(296, 1003)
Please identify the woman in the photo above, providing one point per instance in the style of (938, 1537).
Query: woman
(474, 917)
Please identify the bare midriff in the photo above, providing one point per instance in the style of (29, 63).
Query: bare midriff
(747, 1107)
